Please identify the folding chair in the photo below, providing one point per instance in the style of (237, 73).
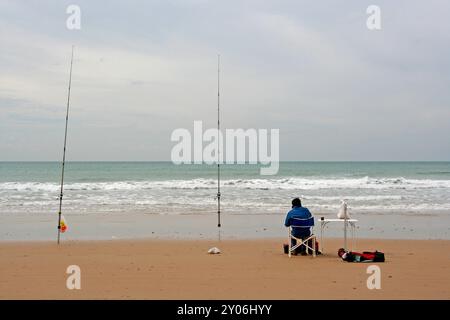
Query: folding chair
(305, 224)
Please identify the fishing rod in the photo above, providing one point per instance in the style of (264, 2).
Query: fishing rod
(64, 150)
(218, 141)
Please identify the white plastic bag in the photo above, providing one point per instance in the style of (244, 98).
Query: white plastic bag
(343, 211)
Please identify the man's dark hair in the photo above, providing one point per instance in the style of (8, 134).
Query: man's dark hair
(296, 202)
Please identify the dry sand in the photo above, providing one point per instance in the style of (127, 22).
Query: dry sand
(247, 269)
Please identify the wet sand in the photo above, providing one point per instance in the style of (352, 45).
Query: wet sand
(129, 225)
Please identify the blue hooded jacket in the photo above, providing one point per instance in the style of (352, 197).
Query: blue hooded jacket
(302, 213)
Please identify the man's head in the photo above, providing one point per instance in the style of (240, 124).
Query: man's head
(296, 202)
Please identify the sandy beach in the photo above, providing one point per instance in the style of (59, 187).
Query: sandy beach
(246, 269)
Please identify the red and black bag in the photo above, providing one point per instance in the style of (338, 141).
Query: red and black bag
(366, 256)
(375, 256)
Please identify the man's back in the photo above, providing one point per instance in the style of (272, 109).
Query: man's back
(300, 213)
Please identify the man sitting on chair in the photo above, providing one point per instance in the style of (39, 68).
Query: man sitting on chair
(298, 212)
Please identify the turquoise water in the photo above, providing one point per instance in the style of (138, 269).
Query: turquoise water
(162, 187)
(140, 171)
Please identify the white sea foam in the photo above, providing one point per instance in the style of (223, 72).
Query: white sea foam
(239, 195)
(337, 199)
(257, 184)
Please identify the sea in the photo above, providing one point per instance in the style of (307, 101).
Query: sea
(163, 188)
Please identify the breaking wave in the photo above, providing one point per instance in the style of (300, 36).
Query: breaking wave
(257, 184)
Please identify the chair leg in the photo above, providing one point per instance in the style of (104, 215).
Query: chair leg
(314, 247)
(290, 244)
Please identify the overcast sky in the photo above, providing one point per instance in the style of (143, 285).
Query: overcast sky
(312, 69)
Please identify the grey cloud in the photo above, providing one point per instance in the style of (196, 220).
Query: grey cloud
(336, 90)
